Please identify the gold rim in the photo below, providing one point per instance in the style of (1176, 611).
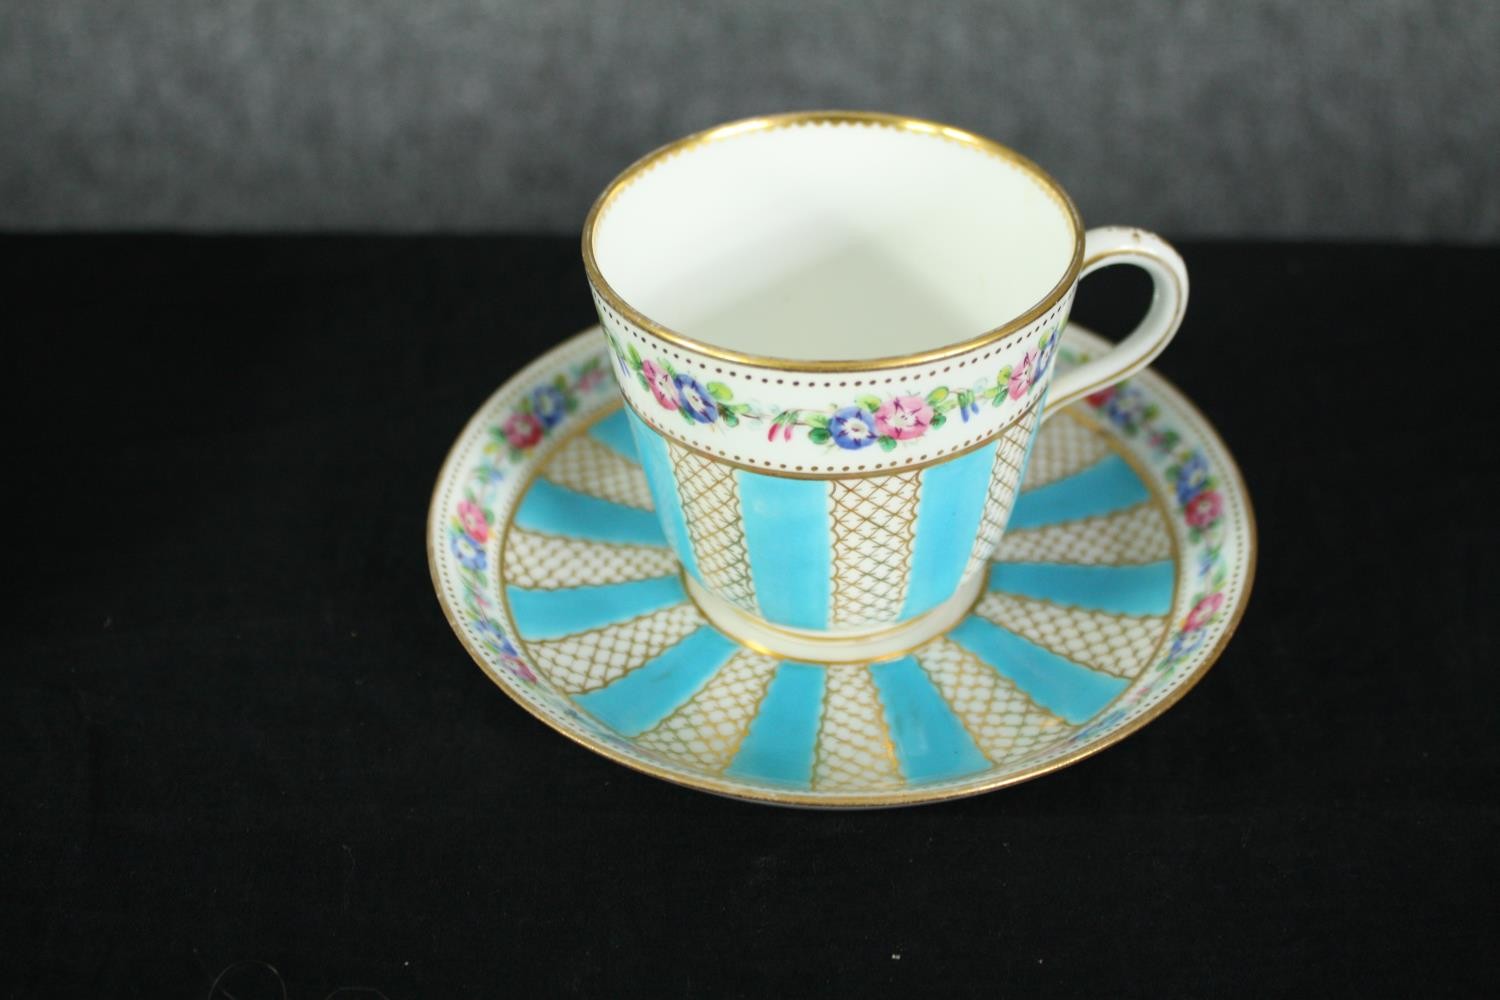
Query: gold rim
(765, 650)
(768, 123)
(911, 796)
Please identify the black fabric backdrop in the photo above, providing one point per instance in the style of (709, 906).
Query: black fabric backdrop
(235, 727)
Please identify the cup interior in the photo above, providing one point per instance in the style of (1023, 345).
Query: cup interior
(833, 239)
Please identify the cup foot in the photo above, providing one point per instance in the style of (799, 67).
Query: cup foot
(856, 646)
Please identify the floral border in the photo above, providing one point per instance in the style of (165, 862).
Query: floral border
(472, 522)
(853, 425)
(1199, 505)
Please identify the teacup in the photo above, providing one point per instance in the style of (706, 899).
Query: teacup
(836, 335)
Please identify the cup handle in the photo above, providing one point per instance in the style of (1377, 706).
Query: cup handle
(1103, 247)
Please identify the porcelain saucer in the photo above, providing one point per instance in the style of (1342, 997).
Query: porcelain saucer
(1124, 570)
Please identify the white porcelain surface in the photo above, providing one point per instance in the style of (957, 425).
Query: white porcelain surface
(838, 241)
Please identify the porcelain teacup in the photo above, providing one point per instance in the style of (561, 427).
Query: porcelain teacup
(835, 335)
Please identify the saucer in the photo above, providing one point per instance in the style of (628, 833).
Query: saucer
(1124, 570)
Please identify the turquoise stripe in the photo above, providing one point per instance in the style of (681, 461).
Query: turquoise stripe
(1108, 485)
(948, 517)
(614, 433)
(658, 466)
(553, 614)
(557, 510)
(931, 743)
(784, 734)
(1121, 590)
(1063, 687)
(787, 535)
(642, 698)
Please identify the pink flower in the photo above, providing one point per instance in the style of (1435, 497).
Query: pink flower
(519, 668)
(473, 520)
(903, 418)
(1202, 612)
(1101, 397)
(590, 379)
(1020, 379)
(522, 430)
(660, 383)
(1204, 509)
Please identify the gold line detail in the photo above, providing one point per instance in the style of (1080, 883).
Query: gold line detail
(857, 118)
(1111, 643)
(1004, 487)
(586, 466)
(854, 749)
(706, 731)
(710, 499)
(589, 660)
(536, 560)
(874, 522)
(1002, 720)
(1133, 536)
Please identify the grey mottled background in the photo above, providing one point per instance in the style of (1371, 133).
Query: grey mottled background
(1262, 117)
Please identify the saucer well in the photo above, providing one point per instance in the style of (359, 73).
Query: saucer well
(1126, 565)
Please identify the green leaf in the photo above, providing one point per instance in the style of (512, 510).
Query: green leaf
(937, 395)
(1002, 377)
(730, 417)
(939, 420)
(951, 403)
(642, 379)
(817, 420)
(667, 367)
(525, 406)
(887, 444)
(720, 391)
(741, 408)
(819, 435)
(869, 403)
(635, 357)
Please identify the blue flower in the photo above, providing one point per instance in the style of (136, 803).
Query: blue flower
(1049, 348)
(852, 427)
(968, 403)
(490, 630)
(1185, 644)
(1192, 477)
(695, 400)
(466, 551)
(1126, 406)
(549, 405)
